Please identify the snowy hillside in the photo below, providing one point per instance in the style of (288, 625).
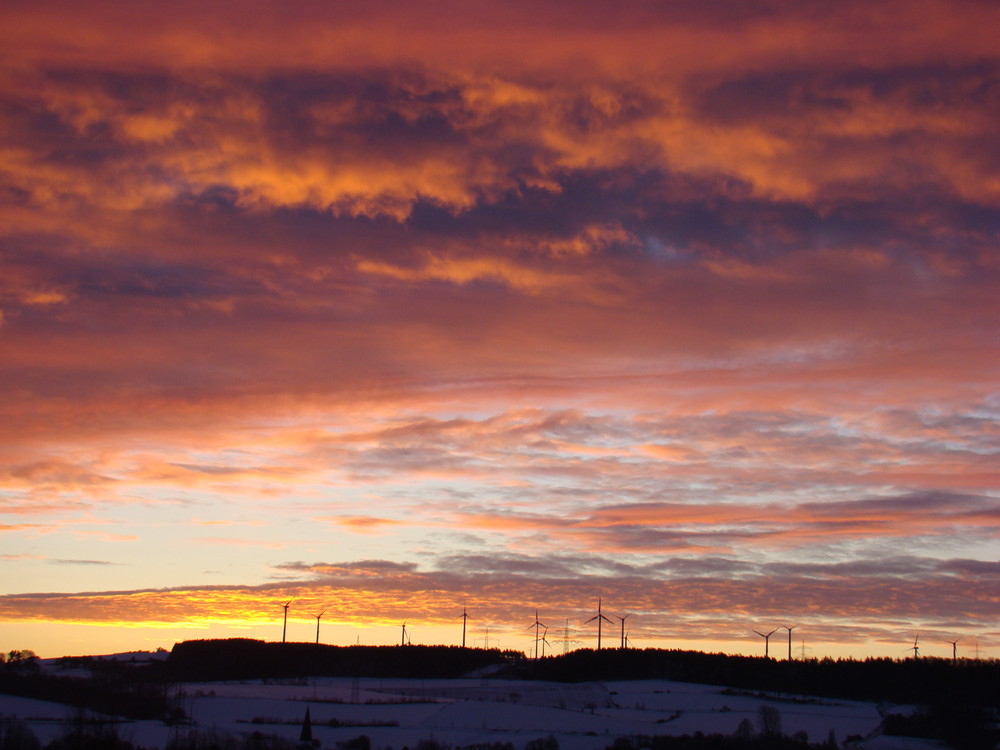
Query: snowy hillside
(398, 712)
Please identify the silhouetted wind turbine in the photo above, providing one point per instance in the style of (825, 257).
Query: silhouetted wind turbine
(789, 628)
(914, 647)
(536, 625)
(405, 639)
(284, 624)
(545, 642)
(767, 641)
(600, 619)
(317, 624)
(623, 619)
(465, 617)
(954, 649)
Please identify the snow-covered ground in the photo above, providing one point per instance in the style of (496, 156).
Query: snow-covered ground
(397, 712)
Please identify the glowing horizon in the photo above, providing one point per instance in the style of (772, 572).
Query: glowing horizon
(405, 307)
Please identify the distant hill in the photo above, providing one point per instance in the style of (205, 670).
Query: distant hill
(903, 681)
(958, 701)
(925, 680)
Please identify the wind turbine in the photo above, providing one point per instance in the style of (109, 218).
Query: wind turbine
(623, 619)
(284, 624)
(954, 649)
(317, 624)
(789, 628)
(767, 641)
(914, 647)
(545, 642)
(600, 619)
(405, 639)
(536, 625)
(465, 617)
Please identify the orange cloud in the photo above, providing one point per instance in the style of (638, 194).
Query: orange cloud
(360, 524)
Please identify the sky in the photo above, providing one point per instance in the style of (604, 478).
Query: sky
(395, 309)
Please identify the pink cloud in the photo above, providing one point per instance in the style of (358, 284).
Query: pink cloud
(360, 524)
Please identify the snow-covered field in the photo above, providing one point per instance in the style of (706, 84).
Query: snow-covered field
(397, 712)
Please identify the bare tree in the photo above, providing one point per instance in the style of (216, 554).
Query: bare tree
(769, 719)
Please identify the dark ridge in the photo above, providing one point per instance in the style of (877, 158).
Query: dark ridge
(920, 681)
(243, 659)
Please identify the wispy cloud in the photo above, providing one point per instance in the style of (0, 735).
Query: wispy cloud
(361, 524)
(58, 561)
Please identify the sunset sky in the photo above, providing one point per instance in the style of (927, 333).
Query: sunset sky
(395, 308)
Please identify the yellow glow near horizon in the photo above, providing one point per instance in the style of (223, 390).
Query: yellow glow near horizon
(55, 639)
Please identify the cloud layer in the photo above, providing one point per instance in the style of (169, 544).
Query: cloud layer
(699, 301)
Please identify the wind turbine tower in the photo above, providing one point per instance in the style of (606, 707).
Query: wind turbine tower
(954, 649)
(624, 645)
(767, 641)
(465, 618)
(536, 625)
(914, 647)
(789, 628)
(317, 624)
(600, 619)
(405, 638)
(284, 623)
